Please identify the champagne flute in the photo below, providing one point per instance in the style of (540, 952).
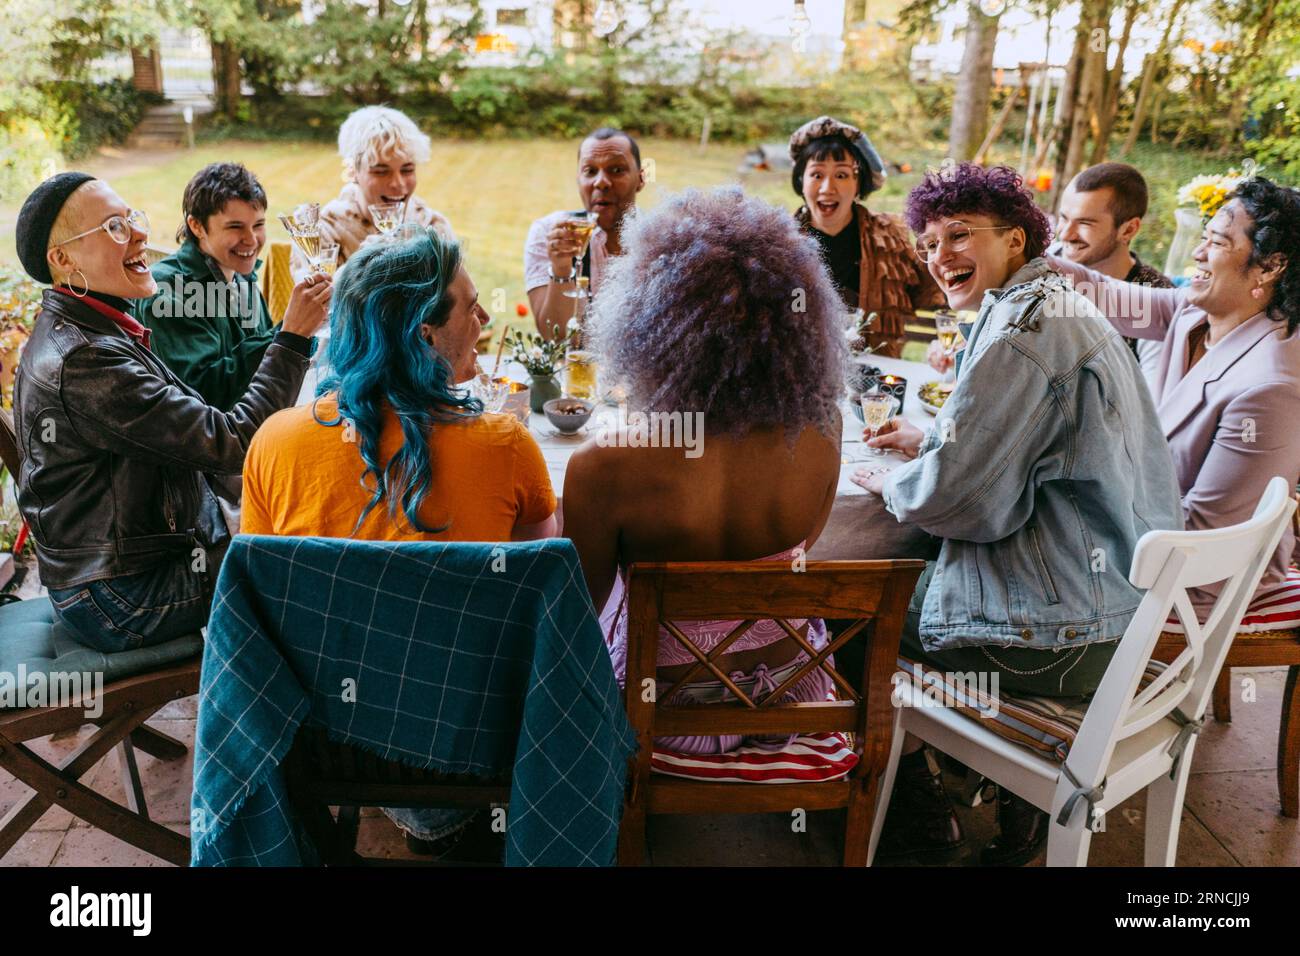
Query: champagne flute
(945, 324)
(303, 226)
(582, 224)
(877, 408)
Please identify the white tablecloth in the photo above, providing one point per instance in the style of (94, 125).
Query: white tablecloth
(858, 526)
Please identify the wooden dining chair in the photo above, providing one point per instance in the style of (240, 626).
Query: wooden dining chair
(136, 685)
(321, 773)
(871, 595)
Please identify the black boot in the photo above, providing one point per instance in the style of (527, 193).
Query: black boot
(1023, 832)
(920, 826)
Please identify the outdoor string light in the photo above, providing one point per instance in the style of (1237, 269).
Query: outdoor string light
(800, 25)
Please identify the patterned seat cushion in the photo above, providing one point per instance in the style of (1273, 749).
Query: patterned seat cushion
(1047, 725)
(806, 759)
(1273, 609)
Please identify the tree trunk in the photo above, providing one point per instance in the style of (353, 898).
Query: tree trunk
(1091, 46)
(226, 78)
(1156, 64)
(970, 107)
(1114, 84)
(1064, 122)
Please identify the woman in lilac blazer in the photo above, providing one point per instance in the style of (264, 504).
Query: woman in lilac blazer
(1227, 388)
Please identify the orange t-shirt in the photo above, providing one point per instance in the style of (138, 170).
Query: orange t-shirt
(304, 478)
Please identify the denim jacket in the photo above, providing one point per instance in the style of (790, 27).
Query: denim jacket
(1045, 466)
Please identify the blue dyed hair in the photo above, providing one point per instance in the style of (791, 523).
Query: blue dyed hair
(384, 296)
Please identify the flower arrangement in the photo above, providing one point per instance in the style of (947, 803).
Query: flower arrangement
(1208, 193)
(540, 357)
(20, 300)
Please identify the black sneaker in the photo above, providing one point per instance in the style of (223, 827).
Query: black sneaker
(1023, 832)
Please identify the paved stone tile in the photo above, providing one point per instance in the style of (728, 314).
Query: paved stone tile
(87, 846)
(1243, 813)
(167, 783)
(1249, 742)
(34, 848)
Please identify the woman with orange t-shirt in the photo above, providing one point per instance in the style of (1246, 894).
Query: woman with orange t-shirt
(391, 449)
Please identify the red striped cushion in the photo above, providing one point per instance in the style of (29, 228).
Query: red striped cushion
(1275, 608)
(809, 758)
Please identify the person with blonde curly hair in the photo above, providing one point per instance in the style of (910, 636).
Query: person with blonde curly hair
(380, 148)
(721, 312)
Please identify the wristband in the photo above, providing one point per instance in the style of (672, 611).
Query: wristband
(560, 280)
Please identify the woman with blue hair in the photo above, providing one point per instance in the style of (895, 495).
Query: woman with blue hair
(391, 427)
(392, 449)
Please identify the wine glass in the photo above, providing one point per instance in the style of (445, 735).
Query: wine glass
(326, 261)
(387, 216)
(582, 224)
(877, 408)
(303, 226)
(945, 324)
(492, 392)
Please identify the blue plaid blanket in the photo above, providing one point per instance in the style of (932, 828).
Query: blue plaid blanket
(459, 658)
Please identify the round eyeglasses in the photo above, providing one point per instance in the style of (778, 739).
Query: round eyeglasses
(956, 235)
(119, 228)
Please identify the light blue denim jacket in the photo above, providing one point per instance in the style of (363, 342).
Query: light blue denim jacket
(1044, 468)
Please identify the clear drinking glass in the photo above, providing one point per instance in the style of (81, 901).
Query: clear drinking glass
(580, 374)
(582, 224)
(387, 216)
(877, 408)
(327, 259)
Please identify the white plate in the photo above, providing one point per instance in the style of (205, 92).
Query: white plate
(932, 409)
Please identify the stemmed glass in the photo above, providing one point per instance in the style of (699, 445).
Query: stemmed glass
(945, 324)
(303, 226)
(326, 261)
(582, 224)
(387, 216)
(877, 408)
(492, 392)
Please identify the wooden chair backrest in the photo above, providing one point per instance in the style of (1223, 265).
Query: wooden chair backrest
(9, 453)
(864, 592)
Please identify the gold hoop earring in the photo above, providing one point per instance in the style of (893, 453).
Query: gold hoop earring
(84, 282)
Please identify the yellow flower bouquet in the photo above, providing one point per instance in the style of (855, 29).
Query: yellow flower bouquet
(1208, 193)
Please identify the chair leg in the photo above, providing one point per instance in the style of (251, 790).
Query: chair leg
(1068, 846)
(158, 744)
(886, 786)
(631, 835)
(1223, 696)
(1288, 745)
(1165, 812)
(857, 822)
(130, 776)
(349, 827)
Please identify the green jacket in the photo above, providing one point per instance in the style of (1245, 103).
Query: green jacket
(210, 332)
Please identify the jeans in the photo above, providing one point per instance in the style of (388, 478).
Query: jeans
(135, 610)
(426, 824)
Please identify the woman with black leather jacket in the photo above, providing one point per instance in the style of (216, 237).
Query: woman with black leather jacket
(117, 452)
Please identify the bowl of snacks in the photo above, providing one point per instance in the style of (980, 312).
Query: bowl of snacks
(568, 414)
(933, 395)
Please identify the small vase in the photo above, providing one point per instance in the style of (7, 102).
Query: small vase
(542, 388)
(1187, 236)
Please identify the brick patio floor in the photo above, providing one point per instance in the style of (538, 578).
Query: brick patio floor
(1231, 816)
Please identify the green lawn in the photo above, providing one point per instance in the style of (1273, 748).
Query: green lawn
(491, 190)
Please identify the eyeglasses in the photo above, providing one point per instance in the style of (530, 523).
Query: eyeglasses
(956, 234)
(119, 228)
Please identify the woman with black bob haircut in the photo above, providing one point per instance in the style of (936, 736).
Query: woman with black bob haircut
(869, 255)
(1228, 383)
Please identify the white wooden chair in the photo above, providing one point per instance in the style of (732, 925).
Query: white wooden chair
(1132, 737)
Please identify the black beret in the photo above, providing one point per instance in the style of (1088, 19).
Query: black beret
(36, 219)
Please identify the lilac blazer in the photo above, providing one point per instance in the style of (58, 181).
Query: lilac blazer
(1232, 421)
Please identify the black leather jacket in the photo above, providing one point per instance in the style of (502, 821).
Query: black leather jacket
(116, 449)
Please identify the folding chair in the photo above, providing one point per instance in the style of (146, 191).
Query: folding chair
(1139, 731)
(871, 595)
(136, 684)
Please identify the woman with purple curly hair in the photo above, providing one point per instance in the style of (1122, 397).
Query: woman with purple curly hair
(1046, 465)
(719, 313)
